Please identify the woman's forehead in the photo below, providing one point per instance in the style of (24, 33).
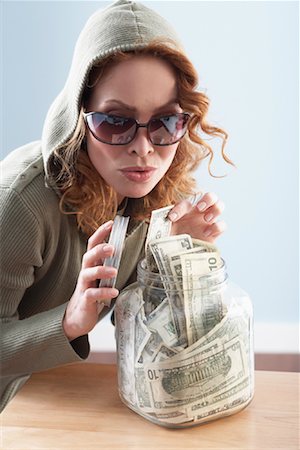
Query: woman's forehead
(130, 83)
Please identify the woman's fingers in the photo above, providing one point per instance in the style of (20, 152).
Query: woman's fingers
(96, 255)
(215, 229)
(90, 274)
(180, 210)
(93, 295)
(100, 234)
(214, 211)
(209, 199)
(205, 203)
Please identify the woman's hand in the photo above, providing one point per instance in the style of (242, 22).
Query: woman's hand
(83, 308)
(199, 221)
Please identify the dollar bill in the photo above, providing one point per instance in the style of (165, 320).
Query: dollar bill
(203, 309)
(126, 310)
(208, 246)
(152, 298)
(212, 370)
(233, 325)
(161, 321)
(160, 249)
(163, 353)
(143, 400)
(159, 227)
(175, 261)
(141, 337)
(221, 403)
(150, 350)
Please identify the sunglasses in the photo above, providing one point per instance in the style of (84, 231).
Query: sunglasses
(117, 130)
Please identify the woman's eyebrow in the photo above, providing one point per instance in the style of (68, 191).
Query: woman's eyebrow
(119, 103)
(132, 108)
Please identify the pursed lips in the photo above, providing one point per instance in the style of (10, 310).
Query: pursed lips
(138, 169)
(138, 173)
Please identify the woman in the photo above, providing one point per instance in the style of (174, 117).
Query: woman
(114, 140)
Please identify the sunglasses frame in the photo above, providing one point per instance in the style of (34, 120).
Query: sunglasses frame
(138, 125)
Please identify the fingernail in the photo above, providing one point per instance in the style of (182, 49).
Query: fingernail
(108, 224)
(202, 206)
(208, 217)
(111, 271)
(207, 233)
(107, 248)
(173, 216)
(115, 292)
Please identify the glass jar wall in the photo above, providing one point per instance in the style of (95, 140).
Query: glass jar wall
(184, 347)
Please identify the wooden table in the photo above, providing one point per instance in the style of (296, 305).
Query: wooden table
(78, 407)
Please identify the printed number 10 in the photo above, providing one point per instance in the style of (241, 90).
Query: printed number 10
(152, 375)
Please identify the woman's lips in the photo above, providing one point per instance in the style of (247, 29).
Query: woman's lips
(138, 174)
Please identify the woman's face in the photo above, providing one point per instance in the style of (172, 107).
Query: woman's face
(141, 87)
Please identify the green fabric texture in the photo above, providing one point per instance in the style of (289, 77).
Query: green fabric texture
(41, 249)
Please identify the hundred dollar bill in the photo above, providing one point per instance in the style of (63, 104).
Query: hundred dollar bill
(203, 309)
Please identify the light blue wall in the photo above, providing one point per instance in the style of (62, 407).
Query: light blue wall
(246, 54)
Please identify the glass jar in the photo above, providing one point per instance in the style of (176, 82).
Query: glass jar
(184, 347)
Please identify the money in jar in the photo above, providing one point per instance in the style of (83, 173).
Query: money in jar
(184, 335)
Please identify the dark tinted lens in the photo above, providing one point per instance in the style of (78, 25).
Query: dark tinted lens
(168, 129)
(112, 129)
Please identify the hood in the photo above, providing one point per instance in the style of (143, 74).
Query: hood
(124, 25)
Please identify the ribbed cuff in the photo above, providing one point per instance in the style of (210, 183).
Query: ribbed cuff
(39, 343)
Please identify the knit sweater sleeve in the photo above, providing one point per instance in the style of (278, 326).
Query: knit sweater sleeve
(37, 342)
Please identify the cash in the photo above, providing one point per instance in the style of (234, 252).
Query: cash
(160, 249)
(159, 227)
(184, 353)
(203, 308)
(187, 381)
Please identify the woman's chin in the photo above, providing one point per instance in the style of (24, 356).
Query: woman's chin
(135, 193)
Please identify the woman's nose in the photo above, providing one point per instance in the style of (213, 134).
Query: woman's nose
(141, 144)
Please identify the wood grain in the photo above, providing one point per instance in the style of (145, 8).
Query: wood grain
(78, 407)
